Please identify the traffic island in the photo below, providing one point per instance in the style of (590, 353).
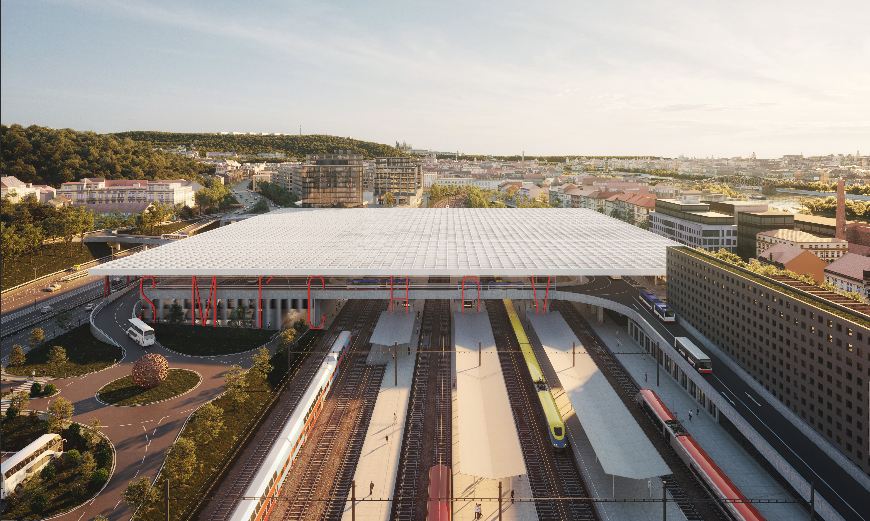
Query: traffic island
(67, 482)
(83, 355)
(210, 341)
(125, 392)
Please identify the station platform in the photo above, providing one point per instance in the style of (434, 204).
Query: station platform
(379, 459)
(396, 327)
(619, 443)
(741, 468)
(488, 442)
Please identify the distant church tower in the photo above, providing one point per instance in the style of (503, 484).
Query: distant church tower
(753, 156)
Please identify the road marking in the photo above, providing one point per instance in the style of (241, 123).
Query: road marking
(116, 505)
(161, 421)
(751, 398)
(791, 450)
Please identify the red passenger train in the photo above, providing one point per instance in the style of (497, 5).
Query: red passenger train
(439, 494)
(707, 472)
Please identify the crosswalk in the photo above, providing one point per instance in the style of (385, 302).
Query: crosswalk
(24, 386)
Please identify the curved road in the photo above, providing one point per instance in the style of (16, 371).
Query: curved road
(141, 435)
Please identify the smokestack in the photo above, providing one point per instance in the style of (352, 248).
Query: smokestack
(841, 210)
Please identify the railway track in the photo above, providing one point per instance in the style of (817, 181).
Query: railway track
(241, 478)
(551, 474)
(316, 471)
(682, 478)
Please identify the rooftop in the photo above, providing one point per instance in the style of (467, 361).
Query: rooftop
(410, 241)
(799, 236)
(850, 265)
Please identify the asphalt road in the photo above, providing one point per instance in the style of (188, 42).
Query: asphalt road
(842, 491)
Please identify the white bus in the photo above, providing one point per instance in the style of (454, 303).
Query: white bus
(29, 461)
(140, 332)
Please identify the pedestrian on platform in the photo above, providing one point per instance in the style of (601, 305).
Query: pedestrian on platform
(646, 377)
(371, 487)
(649, 486)
(690, 415)
(512, 496)
(477, 511)
(387, 438)
(394, 418)
(697, 411)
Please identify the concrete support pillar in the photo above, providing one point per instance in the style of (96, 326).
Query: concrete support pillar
(223, 304)
(600, 313)
(158, 303)
(257, 312)
(276, 321)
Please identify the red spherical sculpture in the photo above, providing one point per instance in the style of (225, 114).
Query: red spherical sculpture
(150, 371)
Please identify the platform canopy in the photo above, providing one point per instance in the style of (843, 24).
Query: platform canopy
(409, 241)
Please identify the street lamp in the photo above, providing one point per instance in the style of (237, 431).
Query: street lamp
(34, 291)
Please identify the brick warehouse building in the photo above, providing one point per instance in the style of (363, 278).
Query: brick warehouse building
(813, 355)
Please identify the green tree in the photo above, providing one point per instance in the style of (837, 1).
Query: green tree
(86, 465)
(36, 338)
(60, 412)
(20, 400)
(286, 338)
(207, 422)
(262, 366)
(388, 199)
(176, 314)
(138, 492)
(91, 434)
(17, 357)
(57, 359)
(64, 320)
(181, 461)
(235, 385)
(241, 317)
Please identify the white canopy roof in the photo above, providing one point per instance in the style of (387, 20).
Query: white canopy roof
(409, 241)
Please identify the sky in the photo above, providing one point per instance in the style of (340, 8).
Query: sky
(632, 77)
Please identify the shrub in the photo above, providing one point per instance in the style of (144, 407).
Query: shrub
(50, 389)
(17, 356)
(48, 472)
(74, 431)
(35, 389)
(99, 477)
(39, 503)
(103, 458)
(11, 413)
(72, 457)
(33, 416)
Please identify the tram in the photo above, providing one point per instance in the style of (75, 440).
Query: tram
(659, 308)
(699, 463)
(277, 463)
(438, 506)
(556, 426)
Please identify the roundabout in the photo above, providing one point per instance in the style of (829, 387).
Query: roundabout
(124, 392)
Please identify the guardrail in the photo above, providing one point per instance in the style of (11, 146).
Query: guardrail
(91, 263)
(50, 302)
(96, 331)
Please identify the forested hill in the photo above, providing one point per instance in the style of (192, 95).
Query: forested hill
(48, 156)
(247, 144)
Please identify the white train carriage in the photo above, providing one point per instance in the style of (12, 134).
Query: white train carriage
(269, 478)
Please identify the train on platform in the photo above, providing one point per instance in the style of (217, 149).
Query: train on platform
(732, 502)
(693, 354)
(658, 306)
(556, 426)
(363, 283)
(438, 506)
(277, 463)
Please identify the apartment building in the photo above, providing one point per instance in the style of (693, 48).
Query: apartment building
(810, 352)
(850, 272)
(330, 180)
(97, 190)
(401, 176)
(691, 222)
(637, 205)
(826, 248)
(792, 258)
(16, 190)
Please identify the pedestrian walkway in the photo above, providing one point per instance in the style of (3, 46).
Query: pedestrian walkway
(24, 386)
(379, 459)
(752, 480)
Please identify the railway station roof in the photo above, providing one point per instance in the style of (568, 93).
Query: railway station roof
(411, 242)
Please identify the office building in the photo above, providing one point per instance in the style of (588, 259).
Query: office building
(750, 224)
(327, 180)
(691, 222)
(401, 176)
(811, 351)
(826, 248)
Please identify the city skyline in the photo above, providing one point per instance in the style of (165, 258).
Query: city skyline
(633, 79)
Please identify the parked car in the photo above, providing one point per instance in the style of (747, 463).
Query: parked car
(45, 310)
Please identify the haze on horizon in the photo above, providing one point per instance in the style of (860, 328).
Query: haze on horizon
(633, 77)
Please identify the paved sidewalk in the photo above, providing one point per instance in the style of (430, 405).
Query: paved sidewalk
(743, 471)
(24, 386)
(379, 460)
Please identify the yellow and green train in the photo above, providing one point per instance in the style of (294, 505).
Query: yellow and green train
(548, 404)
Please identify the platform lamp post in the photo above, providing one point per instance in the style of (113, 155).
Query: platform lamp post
(658, 362)
(664, 500)
(34, 291)
(166, 499)
(353, 500)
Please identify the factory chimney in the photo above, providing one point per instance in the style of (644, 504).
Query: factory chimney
(523, 163)
(841, 210)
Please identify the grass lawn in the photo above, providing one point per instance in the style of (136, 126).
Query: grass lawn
(61, 490)
(209, 341)
(84, 356)
(124, 392)
(212, 457)
(55, 257)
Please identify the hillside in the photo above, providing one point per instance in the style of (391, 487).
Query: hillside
(292, 146)
(48, 156)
